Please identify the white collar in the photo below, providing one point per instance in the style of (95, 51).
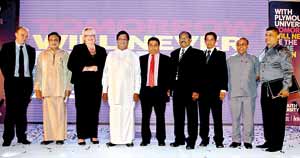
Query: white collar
(211, 50)
(186, 48)
(18, 45)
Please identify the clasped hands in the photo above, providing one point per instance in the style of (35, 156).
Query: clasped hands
(90, 68)
(196, 95)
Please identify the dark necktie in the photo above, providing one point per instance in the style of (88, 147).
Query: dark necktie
(207, 55)
(21, 63)
(181, 54)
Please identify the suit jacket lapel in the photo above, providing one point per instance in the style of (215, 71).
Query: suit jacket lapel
(29, 53)
(13, 62)
(177, 55)
(185, 53)
(31, 59)
(86, 49)
(146, 66)
(212, 55)
(160, 64)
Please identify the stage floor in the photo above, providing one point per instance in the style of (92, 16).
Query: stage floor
(70, 149)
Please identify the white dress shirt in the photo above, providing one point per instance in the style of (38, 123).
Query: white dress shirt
(26, 60)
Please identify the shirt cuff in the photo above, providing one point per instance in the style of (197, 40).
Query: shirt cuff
(137, 92)
(37, 87)
(285, 87)
(223, 91)
(104, 90)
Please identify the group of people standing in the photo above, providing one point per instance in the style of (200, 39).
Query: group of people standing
(197, 80)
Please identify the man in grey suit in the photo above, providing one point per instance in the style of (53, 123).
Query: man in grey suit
(243, 74)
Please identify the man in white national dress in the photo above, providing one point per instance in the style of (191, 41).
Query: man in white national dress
(52, 85)
(121, 86)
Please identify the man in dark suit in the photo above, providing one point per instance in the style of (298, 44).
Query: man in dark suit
(187, 63)
(214, 87)
(155, 85)
(16, 62)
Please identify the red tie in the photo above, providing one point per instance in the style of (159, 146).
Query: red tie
(151, 74)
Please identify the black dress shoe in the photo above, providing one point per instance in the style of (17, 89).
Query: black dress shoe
(46, 142)
(176, 144)
(6, 143)
(94, 141)
(190, 147)
(234, 145)
(248, 145)
(203, 144)
(59, 142)
(143, 143)
(271, 149)
(265, 145)
(25, 141)
(161, 144)
(81, 143)
(129, 144)
(109, 144)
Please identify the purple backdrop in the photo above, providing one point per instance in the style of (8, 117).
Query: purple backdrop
(165, 19)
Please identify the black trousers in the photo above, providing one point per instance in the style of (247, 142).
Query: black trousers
(153, 98)
(211, 101)
(273, 112)
(17, 92)
(87, 102)
(182, 102)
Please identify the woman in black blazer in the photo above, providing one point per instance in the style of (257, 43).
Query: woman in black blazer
(86, 62)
